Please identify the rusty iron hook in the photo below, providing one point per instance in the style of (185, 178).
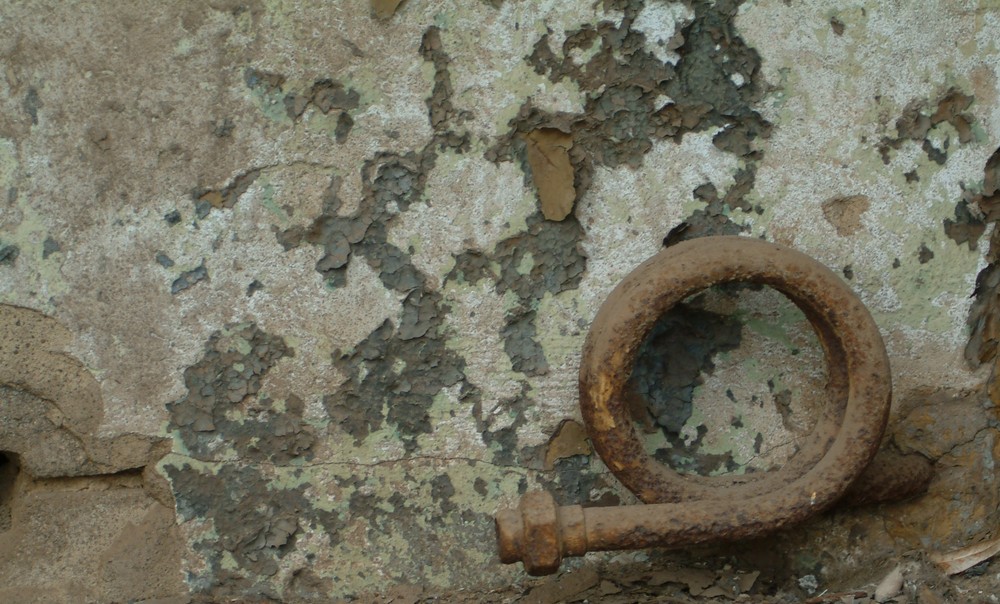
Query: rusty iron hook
(681, 510)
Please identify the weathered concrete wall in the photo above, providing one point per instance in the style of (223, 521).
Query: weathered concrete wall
(300, 269)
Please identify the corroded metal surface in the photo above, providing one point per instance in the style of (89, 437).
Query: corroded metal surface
(685, 510)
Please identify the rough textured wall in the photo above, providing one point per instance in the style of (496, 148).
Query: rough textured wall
(324, 271)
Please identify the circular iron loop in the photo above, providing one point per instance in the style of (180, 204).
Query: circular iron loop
(846, 435)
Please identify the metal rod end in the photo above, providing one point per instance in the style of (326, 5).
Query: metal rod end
(532, 534)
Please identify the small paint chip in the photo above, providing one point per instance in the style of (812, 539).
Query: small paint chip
(100, 137)
(49, 247)
(385, 9)
(924, 254)
(890, 586)
(189, 278)
(837, 25)
(32, 103)
(844, 213)
(344, 124)
(9, 253)
(551, 171)
(222, 128)
(262, 80)
(570, 439)
(328, 95)
(920, 117)
(164, 260)
(295, 105)
(226, 197)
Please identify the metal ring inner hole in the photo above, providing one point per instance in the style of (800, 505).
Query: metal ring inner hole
(728, 382)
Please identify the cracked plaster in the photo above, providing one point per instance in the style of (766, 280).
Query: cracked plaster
(170, 117)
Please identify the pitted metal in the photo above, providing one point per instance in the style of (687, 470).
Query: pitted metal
(685, 510)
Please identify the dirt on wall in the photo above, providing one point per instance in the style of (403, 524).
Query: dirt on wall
(292, 295)
(81, 516)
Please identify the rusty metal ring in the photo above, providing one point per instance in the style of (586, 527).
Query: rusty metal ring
(845, 437)
(685, 510)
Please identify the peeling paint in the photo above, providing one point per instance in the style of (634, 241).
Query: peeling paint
(306, 245)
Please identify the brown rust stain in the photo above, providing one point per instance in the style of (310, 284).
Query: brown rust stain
(385, 9)
(551, 171)
(570, 439)
(844, 213)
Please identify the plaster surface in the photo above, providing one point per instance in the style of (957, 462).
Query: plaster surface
(294, 259)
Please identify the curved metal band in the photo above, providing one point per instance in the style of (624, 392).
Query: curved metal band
(685, 510)
(844, 439)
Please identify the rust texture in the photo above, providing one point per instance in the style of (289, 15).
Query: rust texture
(686, 510)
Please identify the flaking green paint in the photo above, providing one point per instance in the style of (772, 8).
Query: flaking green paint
(267, 200)
(29, 233)
(563, 339)
(8, 164)
(372, 552)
